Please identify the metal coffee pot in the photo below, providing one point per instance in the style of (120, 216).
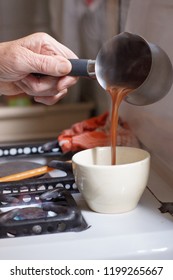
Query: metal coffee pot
(127, 60)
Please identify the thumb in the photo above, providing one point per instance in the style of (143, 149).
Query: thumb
(51, 65)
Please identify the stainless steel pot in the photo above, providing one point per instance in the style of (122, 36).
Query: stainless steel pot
(128, 60)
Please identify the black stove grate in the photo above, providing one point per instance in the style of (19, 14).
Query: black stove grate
(30, 151)
(50, 149)
(39, 205)
(25, 150)
(38, 212)
(39, 184)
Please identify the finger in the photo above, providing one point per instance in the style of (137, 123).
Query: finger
(9, 88)
(55, 65)
(51, 100)
(39, 84)
(41, 90)
(66, 82)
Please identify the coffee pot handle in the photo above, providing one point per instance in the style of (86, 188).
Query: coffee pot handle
(82, 68)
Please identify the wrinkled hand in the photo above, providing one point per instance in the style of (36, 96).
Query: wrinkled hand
(36, 53)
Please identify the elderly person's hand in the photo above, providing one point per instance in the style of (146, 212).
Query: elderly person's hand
(36, 53)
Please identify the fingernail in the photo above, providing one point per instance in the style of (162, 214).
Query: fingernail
(64, 67)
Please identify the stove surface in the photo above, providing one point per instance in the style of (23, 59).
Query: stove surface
(144, 233)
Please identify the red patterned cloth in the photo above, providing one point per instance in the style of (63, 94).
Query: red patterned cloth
(95, 132)
(89, 2)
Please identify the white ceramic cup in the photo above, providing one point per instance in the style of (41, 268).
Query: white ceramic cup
(110, 188)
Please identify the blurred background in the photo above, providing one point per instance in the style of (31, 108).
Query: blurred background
(83, 26)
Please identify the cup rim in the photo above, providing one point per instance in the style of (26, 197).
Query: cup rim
(95, 166)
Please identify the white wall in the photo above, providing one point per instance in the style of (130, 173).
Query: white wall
(153, 124)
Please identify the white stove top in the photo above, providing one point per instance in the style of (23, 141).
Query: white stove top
(144, 233)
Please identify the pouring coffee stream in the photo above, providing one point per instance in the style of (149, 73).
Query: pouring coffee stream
(117, 95)
(129, 68)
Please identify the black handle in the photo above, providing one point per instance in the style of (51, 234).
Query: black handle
(61, 165)
(79, 68)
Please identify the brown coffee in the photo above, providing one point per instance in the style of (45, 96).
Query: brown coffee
(117, 94)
